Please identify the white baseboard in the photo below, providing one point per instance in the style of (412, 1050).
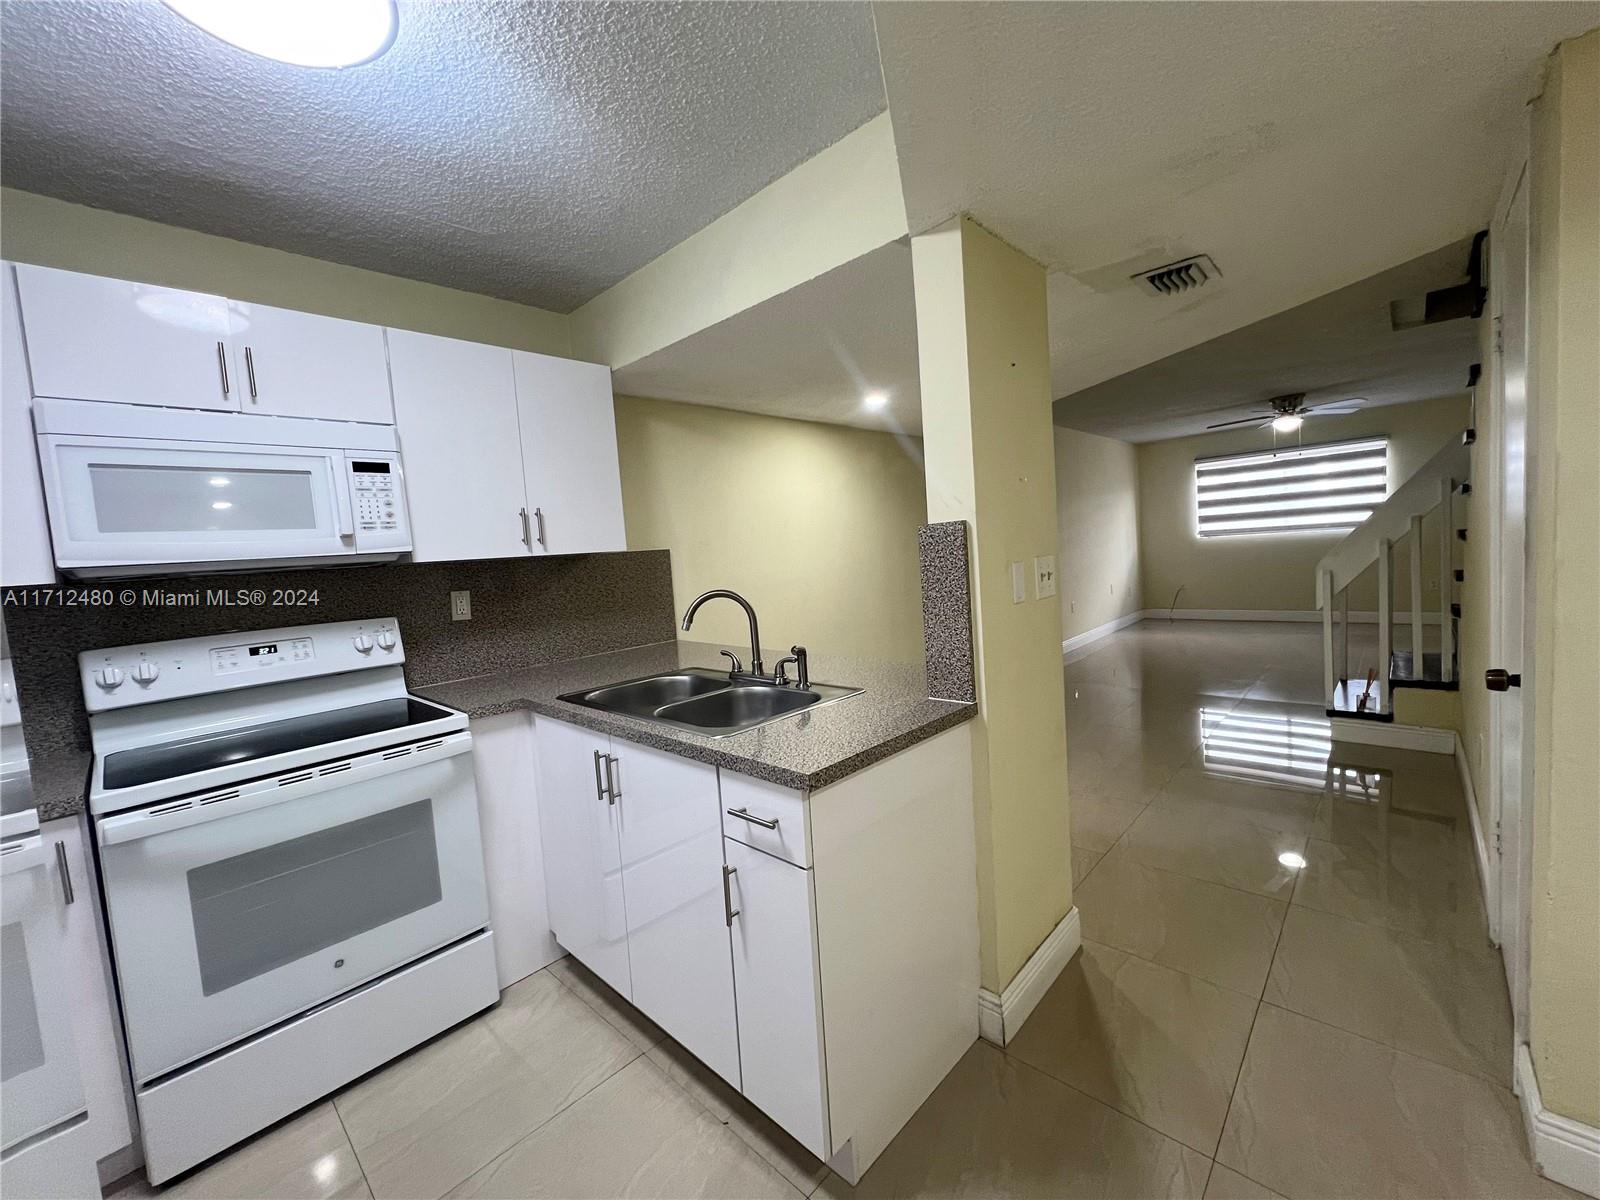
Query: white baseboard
(1276, 614)
(1000, 1017)
(1564, 1150)
(1398, 737)
(1089, 636)
(1488, 872)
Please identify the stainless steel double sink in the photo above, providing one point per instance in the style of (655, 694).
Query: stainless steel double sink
(707, 701)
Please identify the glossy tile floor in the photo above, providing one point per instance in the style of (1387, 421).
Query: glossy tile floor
(1285, 988)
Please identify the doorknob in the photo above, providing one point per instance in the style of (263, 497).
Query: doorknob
(1498, 679)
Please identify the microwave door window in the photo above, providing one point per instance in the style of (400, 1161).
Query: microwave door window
(155, 499)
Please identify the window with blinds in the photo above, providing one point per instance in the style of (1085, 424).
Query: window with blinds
(1334, 486)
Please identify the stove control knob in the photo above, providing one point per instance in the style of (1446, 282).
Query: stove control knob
(146, 672)
(363, 643)
(109, 678)
(386, 640)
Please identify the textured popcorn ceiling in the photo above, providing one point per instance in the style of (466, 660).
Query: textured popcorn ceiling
(537, 152)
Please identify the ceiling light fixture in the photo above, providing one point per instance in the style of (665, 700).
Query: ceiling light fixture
(1287, 423)
(875, 401)
(303, 33)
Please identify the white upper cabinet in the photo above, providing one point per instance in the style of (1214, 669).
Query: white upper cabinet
(91, 338)
(455, 410)
(296, 364)
(569, 454)
(25, 554)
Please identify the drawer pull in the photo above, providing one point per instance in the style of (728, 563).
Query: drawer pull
(745, 814)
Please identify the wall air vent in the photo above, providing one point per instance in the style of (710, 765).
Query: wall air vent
(1185, 275)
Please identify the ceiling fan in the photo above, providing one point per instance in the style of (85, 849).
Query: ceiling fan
(1288, 412)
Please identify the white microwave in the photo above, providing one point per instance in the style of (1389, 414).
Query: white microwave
(137, 490)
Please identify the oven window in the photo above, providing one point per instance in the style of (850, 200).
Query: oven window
(151, 499)
(21, 1042)
(266, 908)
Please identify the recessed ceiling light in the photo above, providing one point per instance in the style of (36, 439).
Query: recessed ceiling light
(1292, 860)
(1287, 423)
(304, 33)
(218, 481)
(875, 401)
(221, 505)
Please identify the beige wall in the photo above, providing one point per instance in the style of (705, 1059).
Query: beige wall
(816, 525)
(1274, 571)
(1097, 507)
(53, 233)
(1564, 406)
(829, 210)
(984, 361)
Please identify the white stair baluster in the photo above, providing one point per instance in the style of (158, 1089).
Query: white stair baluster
(1416, 597)
(1385, 620)
(1327, 635)
(1447, 633)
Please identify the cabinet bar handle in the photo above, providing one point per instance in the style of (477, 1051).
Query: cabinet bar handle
(527, 534)
(611, 780)
(729, 911)
(599, 786)
(222, 361)
(538, 515)
(745, 814)
(64, 869)
(250, 372)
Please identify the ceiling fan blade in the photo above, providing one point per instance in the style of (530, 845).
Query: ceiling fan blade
(1331, 410)
(1241, 421)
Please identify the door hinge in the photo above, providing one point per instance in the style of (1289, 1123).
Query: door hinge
(1497, 837)
(1499, 336)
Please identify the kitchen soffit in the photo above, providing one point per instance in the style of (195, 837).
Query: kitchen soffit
(536, 152)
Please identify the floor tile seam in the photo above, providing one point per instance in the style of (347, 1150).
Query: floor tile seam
(1144, 958)
(1092, 1098)
(1196, 878)
(333, 1103)
(598, 1011)
(1412, 1054)
(1233, 1092)
(1445, 943)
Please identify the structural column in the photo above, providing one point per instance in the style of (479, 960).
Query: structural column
(984, 354)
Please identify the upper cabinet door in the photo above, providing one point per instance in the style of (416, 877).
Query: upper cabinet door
(569, 452)
(455, 410)
(25, 553)
(91, 338)
(299, 364)
(672, 877)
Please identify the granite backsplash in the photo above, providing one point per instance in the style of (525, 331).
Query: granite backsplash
(524, 612)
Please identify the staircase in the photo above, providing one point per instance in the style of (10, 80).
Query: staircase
(1369, 695)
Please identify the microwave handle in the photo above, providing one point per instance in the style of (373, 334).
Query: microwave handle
(344, 512)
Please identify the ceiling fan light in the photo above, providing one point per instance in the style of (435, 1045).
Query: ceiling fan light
(303, 33)
(1287, 423)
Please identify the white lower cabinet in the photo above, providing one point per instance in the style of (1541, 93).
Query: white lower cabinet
(672, 888)
(780, 1010)
(817, 950)
(581, 829)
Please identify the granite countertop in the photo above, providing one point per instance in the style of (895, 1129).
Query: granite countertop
(806, 751)
(60, 783)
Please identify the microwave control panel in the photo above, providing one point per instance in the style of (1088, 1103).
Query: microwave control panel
(375, 486)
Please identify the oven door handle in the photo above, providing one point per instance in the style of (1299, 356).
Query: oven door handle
(187, 811)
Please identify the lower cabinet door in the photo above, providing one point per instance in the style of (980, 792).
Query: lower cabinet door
(780, 994)
(580, 824)
(677, 921)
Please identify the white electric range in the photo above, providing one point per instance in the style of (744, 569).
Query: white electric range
(289, 847)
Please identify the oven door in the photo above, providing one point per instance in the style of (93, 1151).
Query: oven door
(123, 502)
(235, 910)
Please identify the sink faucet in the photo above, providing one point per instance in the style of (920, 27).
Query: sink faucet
(755, 632)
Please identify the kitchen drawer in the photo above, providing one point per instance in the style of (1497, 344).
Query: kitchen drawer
(762, 801)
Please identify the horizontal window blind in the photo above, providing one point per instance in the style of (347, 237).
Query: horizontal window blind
(1332, 486)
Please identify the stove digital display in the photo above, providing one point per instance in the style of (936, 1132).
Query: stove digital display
(256, 651)
(227, 659)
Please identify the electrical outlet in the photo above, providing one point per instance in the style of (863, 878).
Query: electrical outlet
(1019, 583)
(461, 606)
(1044, 576)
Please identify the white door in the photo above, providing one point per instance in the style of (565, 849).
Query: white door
(299, 364)
(569, 454)
(581, 828)
(672, 877)
(40, 1085)
(1511, 631)
(92, 338)
(780, 993)
(25, 554)
(455, 411)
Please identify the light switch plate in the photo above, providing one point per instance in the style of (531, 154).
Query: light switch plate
(1019, 583)
(461, 606)
(1044, 576)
